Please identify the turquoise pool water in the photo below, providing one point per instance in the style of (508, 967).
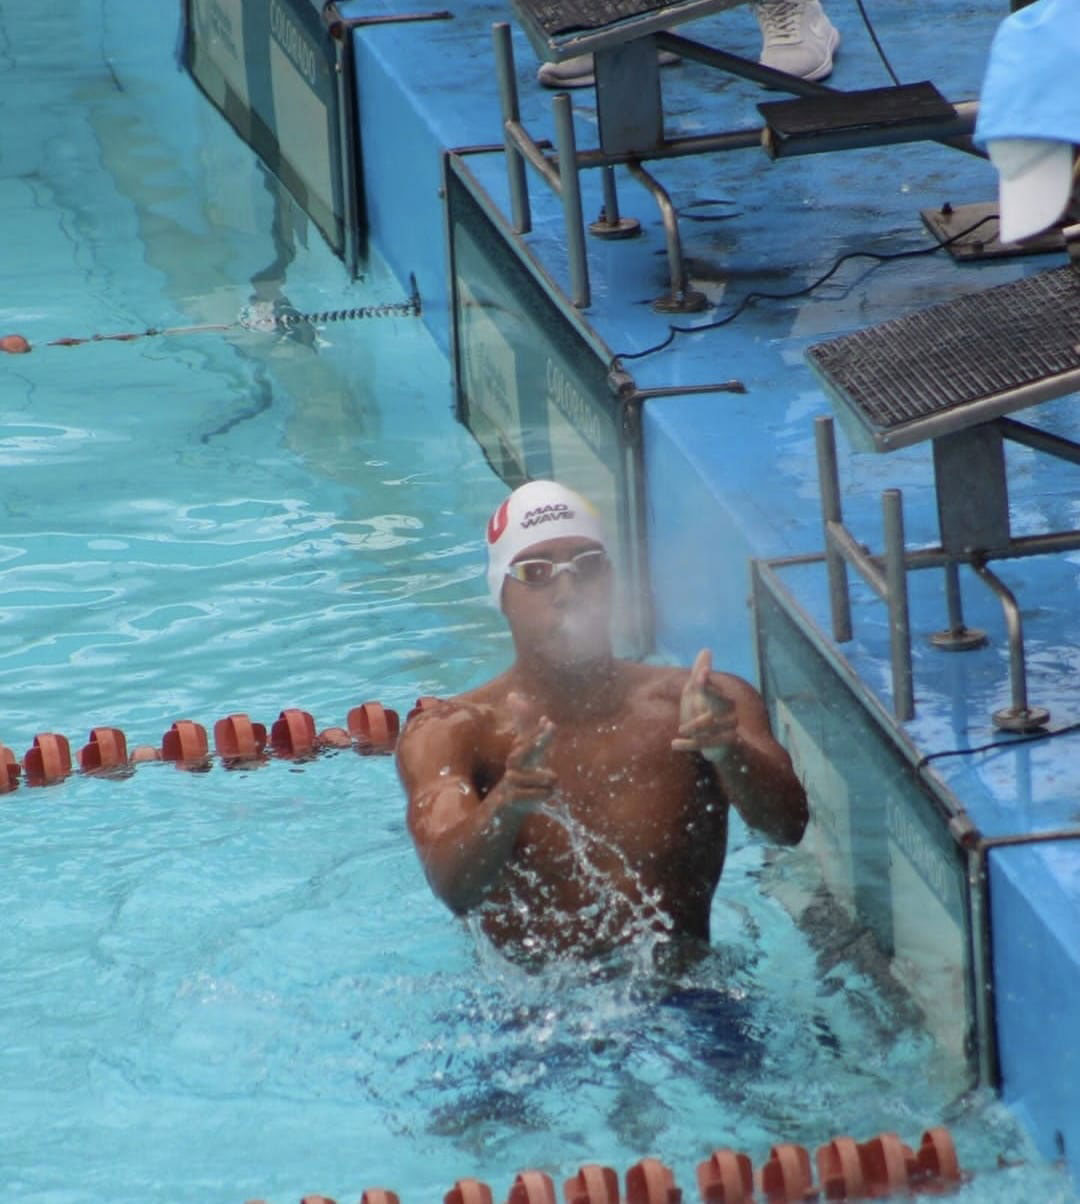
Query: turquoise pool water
(227, 985)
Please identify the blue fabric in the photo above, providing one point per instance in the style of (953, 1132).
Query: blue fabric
(1032, 84)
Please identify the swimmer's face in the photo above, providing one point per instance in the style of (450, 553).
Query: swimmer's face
(557, 600)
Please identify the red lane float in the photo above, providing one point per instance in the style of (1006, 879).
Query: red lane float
(651, 1182)
(185, 744)
(726, 1177)
(421, 704)
(293, 734)
(936, 1160)
(238, 740)
(14, 344)
(48, 760)
(592, 1185)
(106, 750)
(468, 1191)
(532, 1187)
(840, 1170)
(379, 1195)
(887, 1165)
(374, 727)
(9, 770)
(787, 1177)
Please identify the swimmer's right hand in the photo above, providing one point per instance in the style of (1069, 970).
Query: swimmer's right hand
(526, 779)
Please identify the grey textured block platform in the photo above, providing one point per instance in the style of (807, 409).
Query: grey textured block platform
(958, 363)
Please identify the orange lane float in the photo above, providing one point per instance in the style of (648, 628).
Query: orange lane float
(592, 1185)
(9, 770)
(786, 1178)
(185, 743)
(238, 740)
(840, 1171)
(651, 1182)
(373, 727)
(468, 1191)
(105, 750)
(48, 760)
(14, 344)
(726, 1177)
(532, 1187)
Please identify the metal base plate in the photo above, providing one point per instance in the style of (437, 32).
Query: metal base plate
(970, 232)
(687, 302)
(625, 227)
(964, 639)
(1026, 719)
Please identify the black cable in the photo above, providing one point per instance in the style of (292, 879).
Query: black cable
(877, 45)
(880, 256)
(1030, 738)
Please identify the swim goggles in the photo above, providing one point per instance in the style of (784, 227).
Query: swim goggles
(539, 571)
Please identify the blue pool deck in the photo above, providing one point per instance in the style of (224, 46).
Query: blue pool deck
(972, 853)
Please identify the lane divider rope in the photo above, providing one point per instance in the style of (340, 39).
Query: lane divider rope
(846, 1170)
(239, 743)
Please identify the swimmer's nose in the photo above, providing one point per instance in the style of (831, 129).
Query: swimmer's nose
(563, 588)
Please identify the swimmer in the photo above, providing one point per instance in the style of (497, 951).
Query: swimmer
(578, 796)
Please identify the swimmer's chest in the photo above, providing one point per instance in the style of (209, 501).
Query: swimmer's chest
(621, 779)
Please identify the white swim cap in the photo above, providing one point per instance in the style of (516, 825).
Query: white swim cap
(534, 512)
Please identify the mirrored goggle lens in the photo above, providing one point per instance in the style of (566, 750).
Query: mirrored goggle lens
(541, 571)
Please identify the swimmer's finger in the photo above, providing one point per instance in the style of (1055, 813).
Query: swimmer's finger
(533, 752)
(709, 723)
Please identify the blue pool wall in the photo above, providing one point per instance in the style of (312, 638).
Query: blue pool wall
(731, 478)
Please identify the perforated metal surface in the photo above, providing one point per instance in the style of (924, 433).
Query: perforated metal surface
(960, 362)
(593, 24)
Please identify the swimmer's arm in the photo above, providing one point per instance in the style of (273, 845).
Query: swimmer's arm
(724, 719)
(464, 838)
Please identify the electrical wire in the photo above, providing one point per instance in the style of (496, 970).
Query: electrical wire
(877, 45)
(880, 256)
(1029, 738)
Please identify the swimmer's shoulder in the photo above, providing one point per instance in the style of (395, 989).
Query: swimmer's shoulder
(467, 718)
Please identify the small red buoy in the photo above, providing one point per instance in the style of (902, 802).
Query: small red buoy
(107, 749)
(185, 743)
(422, 704)
(238, 740)
(936, 1158)
(726, 1177)
(379, 1195)
(651, 1182)
(374, 727)
(293, 734)
(532, 1187)
(787, 1177)
(9, 770)
(14, 344)
(840, 1170)
(468, 1191)
(592, 1184)
(49, 760)
(145, 752)
(887, 1165)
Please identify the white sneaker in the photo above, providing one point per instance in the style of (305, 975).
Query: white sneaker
(797, 37)
(578, 71)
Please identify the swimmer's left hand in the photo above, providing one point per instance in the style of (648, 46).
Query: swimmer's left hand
(707, 721)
